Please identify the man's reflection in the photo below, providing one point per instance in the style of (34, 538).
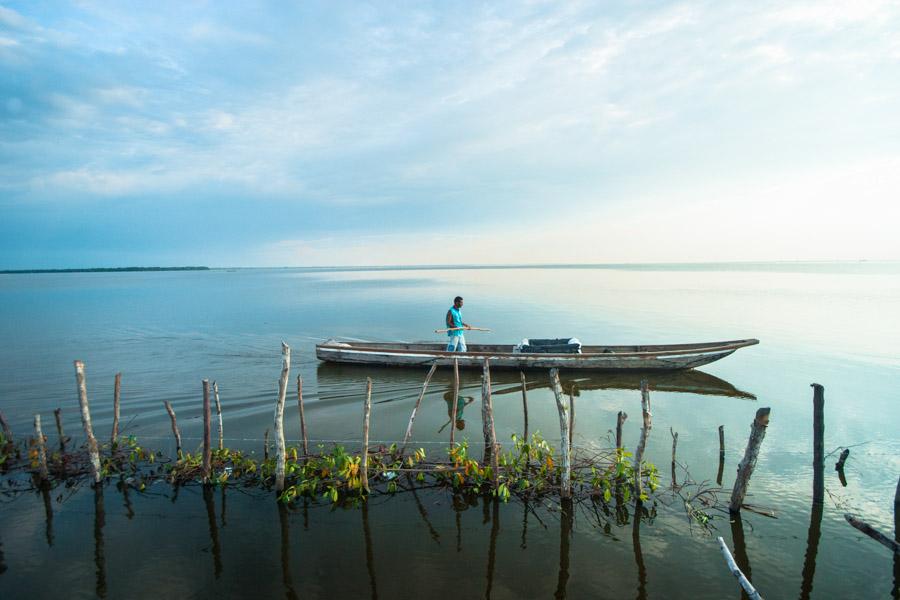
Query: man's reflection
(461, 403)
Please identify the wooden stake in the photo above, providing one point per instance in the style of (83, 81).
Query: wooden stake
(524, 405)
(219, 415)
(57, 414)
(491, 450)
(412, 416)
(93, 449)
(571, 420)
(455, 400)
(174, 429)
(818, 443)
(302, 416)
(642, 442)
(7, 432)
(839, 465)
(266, 444)
(873, 533)
(367, 408)
(732, 566)
(674, 435)
(41, 449)
(280, 447)
(207, 446)
(117, 391)
(620, 421)
(722, 442)
(748, 463)
(566, 482)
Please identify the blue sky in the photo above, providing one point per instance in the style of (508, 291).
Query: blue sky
(265, 134)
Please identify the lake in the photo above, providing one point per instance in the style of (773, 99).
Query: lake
(837, 324)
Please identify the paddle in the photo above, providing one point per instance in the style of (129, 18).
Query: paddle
(461, 329)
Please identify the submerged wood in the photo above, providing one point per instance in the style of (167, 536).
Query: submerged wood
(839, 465)
(219, 415)
(93, 449)
(748, 463)
(57, 414)
(454, 400)
(641, 358)
(280, 447)
(207, 447)
(818, 443)
(175, 430)
(491, 449)
(302, 415)
(367, 409)
(732, 566)
(412, 417)
(873, 533)
(117, 391)
(642, 442)
(41, 449)
(620, 421)
(722, 442)
(524, 405)
(566, 483)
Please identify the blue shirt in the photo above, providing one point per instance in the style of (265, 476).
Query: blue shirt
(456, 315)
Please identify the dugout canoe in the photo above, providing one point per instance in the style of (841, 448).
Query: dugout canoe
(670, 357)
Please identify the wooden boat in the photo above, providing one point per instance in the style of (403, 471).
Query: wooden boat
(602, 358)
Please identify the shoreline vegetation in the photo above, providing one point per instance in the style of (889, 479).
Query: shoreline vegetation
(100, 270)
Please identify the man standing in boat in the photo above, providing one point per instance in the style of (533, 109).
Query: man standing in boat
(455, 325)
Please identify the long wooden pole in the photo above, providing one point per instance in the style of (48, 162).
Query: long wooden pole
(302, 416)
(620, 421)
(487, 414)
(818, 443)
(571, 420)
(207, 446)
(732, 566)
(280, 447)
(642, 442)
(566, 483)
(748, 463)
(454, 400)
(524, 405)
(219, 415)
(41, 449)
(57, 414)
(674, 435)
(117, 391)
(175, 430)
(93, 449)
(412, 416)
(367, 409)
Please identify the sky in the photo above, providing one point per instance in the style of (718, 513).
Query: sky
(402, 133)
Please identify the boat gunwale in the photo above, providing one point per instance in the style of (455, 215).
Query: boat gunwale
(702, 348)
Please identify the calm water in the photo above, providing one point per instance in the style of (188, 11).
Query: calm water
(837, 325)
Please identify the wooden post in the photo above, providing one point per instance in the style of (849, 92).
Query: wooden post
(302, 416)
(620, 421)
(93, 449)
(487, 418)
(412, 417)
(57, 414)
(839, 465)
(873, 533)
(732, 566)
(266, 444)
(454, 400)
(174, 429)
(117, 391)
(674, 435)
(280, 447)
(642, 442)
(721, 442)
(41, 449)
(7, 432)
(818, 443)
(207, 446)
(571, 421)
(524, 405)
(566, 483)
(367, 409)
(748, 463)
(219, 415)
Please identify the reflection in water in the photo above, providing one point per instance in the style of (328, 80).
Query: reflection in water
(461, 403)
(210, 503)
(284, 520)
(2, 560)
(492, 545)
(48, 512)
(812, 549)
(740, 549)
(223, 506)
(370, 560)
(99, 557)
(122, 486)
(638, 554)
(721, 470)
(566, 514)
(422, 512)
(524, 544)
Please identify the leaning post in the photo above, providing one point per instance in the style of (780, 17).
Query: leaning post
(219, 415)
(367, 409)
(524, 405)
(561, 408)
(818, 443)
(487, 419)
(93, 449)
(280, 449)
(41, 450)
(302, 416)
(454, 400)
(642, 442)
(175, 430)
(207, 447)
(412, 416)
(748, 463)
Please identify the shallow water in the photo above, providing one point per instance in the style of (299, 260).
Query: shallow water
(832, 324)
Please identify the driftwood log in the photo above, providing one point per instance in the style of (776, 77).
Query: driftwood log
(93, 448)
(735, 570)
(280, 447)
(839, 465)
(566, 483)
(175, 430)
(412, 416)
(873, 533)
(748, 463)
